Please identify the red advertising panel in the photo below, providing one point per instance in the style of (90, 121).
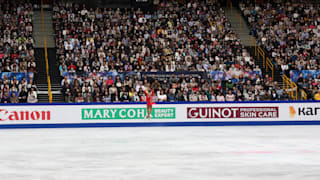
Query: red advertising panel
(23, 115)
(232, 112)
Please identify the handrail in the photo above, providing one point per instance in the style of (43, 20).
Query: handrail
(262, 54)
(46, 56)
(294, 90)
(269, 65)
(251, 41)
(47, 69)
(290, 87)
(304, 95)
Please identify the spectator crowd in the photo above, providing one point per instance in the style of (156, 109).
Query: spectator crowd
(290, 33)
(177, 36)
(16, 51)
(192, 36)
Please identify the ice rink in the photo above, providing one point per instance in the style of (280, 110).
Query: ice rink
(161, 153)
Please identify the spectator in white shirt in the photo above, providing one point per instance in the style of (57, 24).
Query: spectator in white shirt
(140, 85)
(220, 97)
(230, 96)
(162, 97)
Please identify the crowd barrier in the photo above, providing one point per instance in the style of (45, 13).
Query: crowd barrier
(164, 114)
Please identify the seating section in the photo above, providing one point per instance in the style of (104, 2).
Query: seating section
(17, 62)
(290, 33)
(113, 55)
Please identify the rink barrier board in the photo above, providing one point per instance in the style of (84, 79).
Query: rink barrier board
(62, 115)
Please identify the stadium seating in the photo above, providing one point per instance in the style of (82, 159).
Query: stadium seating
(104, 53)
(290, 33)
(17, 62)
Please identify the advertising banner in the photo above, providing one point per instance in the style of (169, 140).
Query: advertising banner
(19, 76)
(103, 75)
(126, 113)
(162, 113)
(162, 75)
(232, 112)
(226, 75)
(306, 74)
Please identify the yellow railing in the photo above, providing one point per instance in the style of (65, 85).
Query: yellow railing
(46, 55)
(304, 95)
(47, 69)
(252, 41)
(267, 63)
(269, 66)
(290, 87)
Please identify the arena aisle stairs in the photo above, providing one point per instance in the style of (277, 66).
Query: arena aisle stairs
(240, 26)
(41, 76)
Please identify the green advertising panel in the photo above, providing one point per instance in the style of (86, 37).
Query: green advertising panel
(126, 113)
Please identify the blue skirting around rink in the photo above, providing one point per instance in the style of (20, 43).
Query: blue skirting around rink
(161, 124)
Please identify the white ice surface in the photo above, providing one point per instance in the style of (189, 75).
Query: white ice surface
(161, 153)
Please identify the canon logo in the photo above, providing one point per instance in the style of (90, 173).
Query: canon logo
(24, 115)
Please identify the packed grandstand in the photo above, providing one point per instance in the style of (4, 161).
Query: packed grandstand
(183, 50)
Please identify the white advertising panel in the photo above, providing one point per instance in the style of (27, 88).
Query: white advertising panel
(117, 113)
